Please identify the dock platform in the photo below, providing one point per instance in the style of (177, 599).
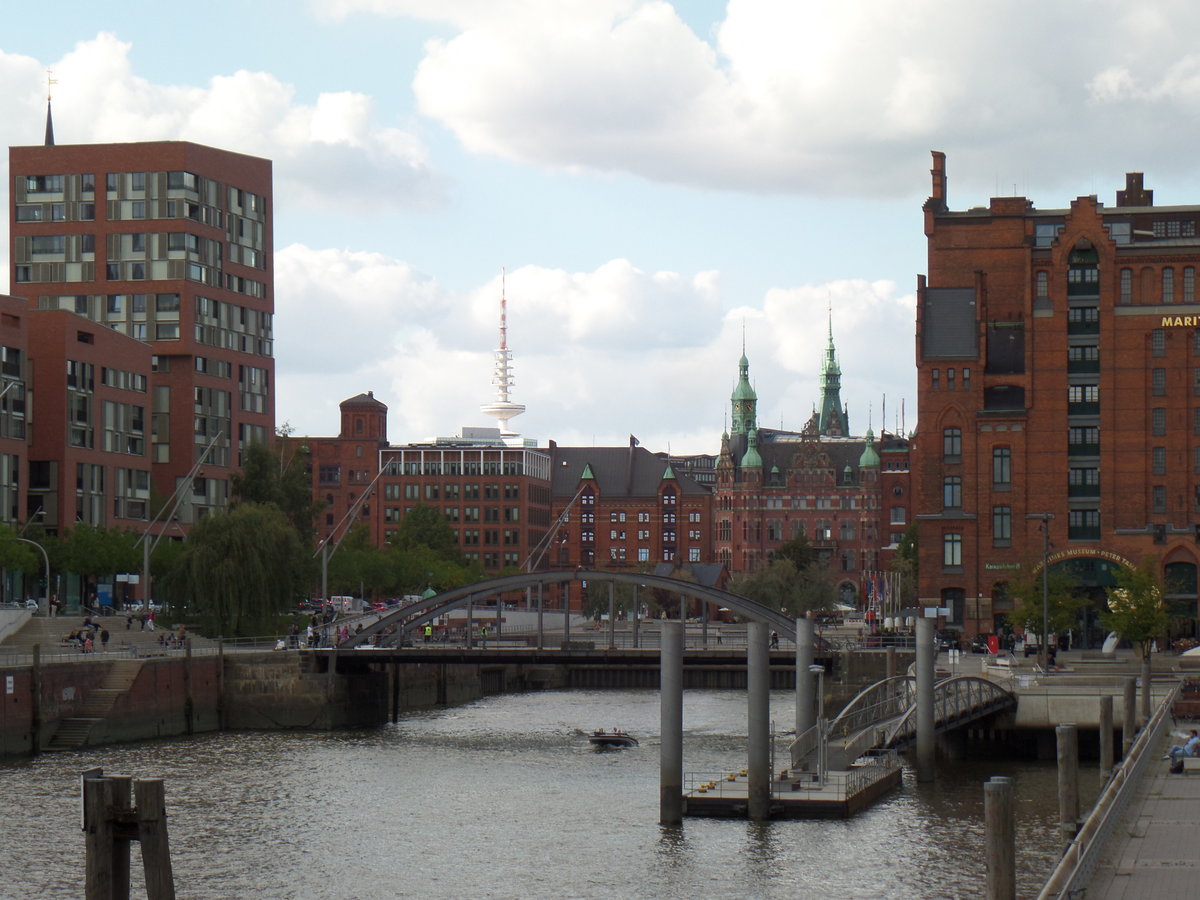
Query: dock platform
(796, 795)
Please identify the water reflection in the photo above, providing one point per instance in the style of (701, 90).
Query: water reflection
(505, 798)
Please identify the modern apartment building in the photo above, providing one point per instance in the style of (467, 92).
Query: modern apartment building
(1059, 387)
(169, 244)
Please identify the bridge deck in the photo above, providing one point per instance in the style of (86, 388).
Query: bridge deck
(508, 655)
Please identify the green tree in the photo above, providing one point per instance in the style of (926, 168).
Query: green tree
(906, 561)
(239, 569)
(1136, 610)
(1062, 606)
(425, 526)
(94, 553)
(799, 551)
(279, 475)
(781, 586)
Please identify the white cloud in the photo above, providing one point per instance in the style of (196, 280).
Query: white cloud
(334, 151)
(596, 355)
(802, 97)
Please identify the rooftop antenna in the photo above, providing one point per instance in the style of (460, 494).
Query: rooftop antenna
(50, 82)
(503, 409)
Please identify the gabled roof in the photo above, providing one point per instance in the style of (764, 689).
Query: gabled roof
(367, 399)
(617, 471)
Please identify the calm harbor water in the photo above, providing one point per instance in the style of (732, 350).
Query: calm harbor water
(504, 798)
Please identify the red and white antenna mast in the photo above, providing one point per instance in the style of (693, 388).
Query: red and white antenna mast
(502, 376)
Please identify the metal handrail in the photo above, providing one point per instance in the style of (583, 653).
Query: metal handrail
(1078, 863)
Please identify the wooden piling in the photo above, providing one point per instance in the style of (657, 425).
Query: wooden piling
(1068, 782)
(999, 817)
(152, 832)
(1106, 735)
(98, 839)
(1129, 717)
(122, 810)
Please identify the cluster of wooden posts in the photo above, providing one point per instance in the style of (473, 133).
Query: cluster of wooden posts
(111, 823)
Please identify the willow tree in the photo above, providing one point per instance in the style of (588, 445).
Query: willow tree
(239, 570)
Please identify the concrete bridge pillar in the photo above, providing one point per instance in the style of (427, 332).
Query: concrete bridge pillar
(670, 773)
(926, 664)
(758, 716)
(806, 694)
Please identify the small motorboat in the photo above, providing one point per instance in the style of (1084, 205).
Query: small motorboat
(614, 738)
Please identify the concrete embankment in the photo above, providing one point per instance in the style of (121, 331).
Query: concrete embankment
(103, 699)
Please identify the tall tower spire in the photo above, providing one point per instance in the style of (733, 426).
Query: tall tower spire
(744, 401)
(833, 419)
(502, 377)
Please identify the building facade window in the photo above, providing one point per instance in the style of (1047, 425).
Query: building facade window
(952, 444)
(1158, 457)
(1001, 526)
(1158, 420)
(1158, 382)
(1002, 468)
(1189, 285)
(1159, 493)
(1126, 287)
(952, 550)
(1043, 284)
(952, 492)
(1158, 342)
(1168, 285)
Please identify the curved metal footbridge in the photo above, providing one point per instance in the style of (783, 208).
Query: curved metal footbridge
(884, 717)
(391, 628)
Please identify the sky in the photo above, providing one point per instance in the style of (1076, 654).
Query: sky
(660, 182)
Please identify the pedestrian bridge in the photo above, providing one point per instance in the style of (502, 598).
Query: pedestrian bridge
(884, 717)
(391, 628)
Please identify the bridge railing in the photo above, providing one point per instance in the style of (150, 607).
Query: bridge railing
(953, 698)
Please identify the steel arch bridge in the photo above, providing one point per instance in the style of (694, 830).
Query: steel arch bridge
(884, 715)
(416, 614)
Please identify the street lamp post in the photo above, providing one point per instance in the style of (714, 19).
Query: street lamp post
(819, 671)
(43, 608)
(1044, 643)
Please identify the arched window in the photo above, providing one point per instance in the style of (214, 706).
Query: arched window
(1189, 285)
(1168, 285)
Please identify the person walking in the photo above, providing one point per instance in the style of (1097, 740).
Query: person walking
(103, 639)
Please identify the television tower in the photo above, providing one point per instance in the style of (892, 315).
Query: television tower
(502, 377)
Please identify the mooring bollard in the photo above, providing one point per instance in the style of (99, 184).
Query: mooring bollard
(1068, 782)
(999, 818)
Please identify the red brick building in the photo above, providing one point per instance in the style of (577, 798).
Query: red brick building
(1059, 376)
(848, 496)
(168, 243)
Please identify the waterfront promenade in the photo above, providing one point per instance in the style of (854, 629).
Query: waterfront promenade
(1153, 851)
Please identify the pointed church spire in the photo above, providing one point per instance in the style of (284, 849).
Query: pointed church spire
(743, 400)
(833, 419)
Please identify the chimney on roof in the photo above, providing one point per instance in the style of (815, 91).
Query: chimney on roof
(1134, 194)
(937, 199)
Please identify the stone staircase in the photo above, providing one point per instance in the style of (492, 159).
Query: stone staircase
(49, 633)
(72, 732)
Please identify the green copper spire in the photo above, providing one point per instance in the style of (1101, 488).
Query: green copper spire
(752, 459)
(833, 419)
(870, 456)
(743, 398)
